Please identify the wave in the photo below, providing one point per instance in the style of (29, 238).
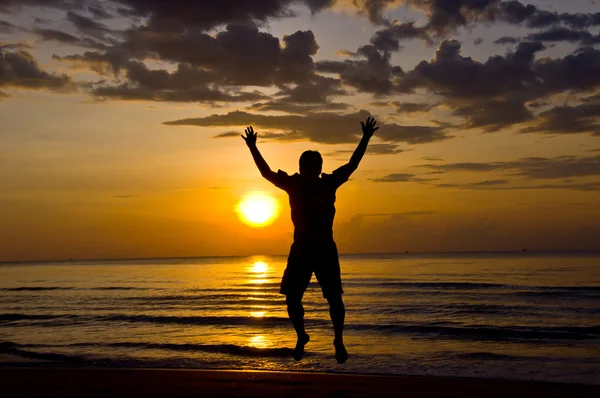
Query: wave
(424, 330)
(8, 347)
(35, 288)
(50, 288)
(489, 332)
(200, 320)
(232, 349)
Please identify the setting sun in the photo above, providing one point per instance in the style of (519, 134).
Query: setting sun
(258, 209)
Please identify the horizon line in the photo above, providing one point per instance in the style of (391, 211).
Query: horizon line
(466, 252)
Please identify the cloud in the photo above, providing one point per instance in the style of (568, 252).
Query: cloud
(374, 149)
(299, 109)
(179, 15)
(517, 13)
(263, 135)
(186, 84)
(67, 38)
(6, 27)
(411, 107)
(371, 74)
(583, 118)
(492, 95)
(20, 70)
(401, 177)
(88, 26)
(328, 128)
(475, 185)
(388, 39)
(532, 167)
(507, 40)
(240, 55)
(493, 115)
(502, 185)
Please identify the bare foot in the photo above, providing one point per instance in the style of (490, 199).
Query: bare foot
(341, 355)
(299, 350)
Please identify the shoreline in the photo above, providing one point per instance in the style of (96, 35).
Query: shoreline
(115, 382)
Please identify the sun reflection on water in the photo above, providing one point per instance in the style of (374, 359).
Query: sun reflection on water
(257, 273)
(258, 341)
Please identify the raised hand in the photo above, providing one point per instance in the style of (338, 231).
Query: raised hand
(369, 128)
(250, 137)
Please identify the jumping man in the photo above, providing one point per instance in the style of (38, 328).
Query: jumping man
(312, 198)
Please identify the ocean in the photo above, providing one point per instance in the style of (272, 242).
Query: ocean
(525, 316)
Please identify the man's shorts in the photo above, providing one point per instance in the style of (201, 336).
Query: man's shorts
(306, 258)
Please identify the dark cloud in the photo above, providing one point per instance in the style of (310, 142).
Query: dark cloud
(533, 167)
(372, 74)
(6, 27)
(502, 185)
(579, 71)
(399, 177)
(20, 70)
(475, 185)
(517, 13)
(388, 39)
(186, 84)
(88, 26)
(411, 107)
(584, 118)
(492, 95)
(299, 109)
(296, 63)
(317, 89)
(452, 75)
(447, 15)
(238, 56)
(67, 38)
(98, 11)
(263, 135)
(374, 9)
(179, 15)
(328, 128)
(374, 149)
(507, 40)
(561, 33)
(493, 115)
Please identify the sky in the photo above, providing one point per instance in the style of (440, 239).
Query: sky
(120, 123)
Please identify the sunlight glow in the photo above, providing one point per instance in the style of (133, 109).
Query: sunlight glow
(260, 267)
(258, 341)
(257, 209)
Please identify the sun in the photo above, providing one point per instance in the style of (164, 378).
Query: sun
(257, 209)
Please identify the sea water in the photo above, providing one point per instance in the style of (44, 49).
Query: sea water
(524, 316)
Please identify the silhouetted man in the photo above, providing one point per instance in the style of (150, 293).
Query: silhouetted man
(312, 198)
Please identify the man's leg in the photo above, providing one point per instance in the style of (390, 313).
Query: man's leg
(337, 311)
(296, 314)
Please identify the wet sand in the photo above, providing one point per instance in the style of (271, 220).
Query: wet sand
(69, 382)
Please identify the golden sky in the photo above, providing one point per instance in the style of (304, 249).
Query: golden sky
(120, 124)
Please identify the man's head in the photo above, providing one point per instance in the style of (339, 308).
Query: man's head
(311, 164)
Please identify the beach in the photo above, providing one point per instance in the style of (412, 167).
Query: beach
(194, 383)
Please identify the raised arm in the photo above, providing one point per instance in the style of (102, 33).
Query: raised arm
(342, 174)
(262, 165)
(368, 129)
